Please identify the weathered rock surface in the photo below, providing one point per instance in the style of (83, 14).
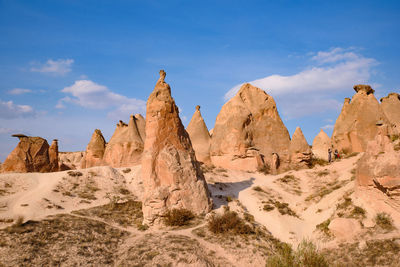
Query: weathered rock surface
(30, 155)
(344, 228)
(53, 156)
(247, 132)
(320, 145)
(141, 125)
(200, 137)
(391, 107)
(358, 121)
(94, 151)
(125, 146)
(70, 160)
(299, 150)
(171, 175)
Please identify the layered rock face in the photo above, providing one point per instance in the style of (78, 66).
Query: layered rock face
(53, 156)
(299, 150)
(30, 155)
(171, 175)
(391, 107)
(199, 137)
(248, 131)
(320, 145)
(70, 160)
(125, 146)
(358, 121)
(94, 151)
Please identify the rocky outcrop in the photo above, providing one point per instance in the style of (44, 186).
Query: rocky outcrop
(248, 131)
(320, 145)
(299, 150)
(141, 125)
(30, 155)
(358, 121)
(200, 137)
(53, 156)
(70, 160)
(125, 146)
(391, 107)
(172, 177)
(94, 151)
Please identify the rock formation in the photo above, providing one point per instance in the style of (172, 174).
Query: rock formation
(358, 121)
(247, 132)
(94, 151)
(320, 145)
(141, 125)
(171, 175)
(299, 150)
(70, 160)
(30, 155)
(125, 146)
(391, 107)
(53, 156)
(200, 137)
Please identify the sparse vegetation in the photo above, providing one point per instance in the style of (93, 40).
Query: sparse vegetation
(306, 255)
(317, 161)
(268, 207)
(384, 221)
(265, 169)
(282, 207)
(352, 154)
(127, 170)
(324, 227)
(258, 189)
(178, 217)
(323, 173)
(229, 222)
(394, 137)
(326, 190)
(358, 212)
(74, 173)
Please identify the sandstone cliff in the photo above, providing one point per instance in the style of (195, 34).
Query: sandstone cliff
(94, 151)
(320, 145)
(391, 107)
(299, 150)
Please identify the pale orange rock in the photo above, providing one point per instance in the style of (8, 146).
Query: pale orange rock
(358, 121)
(391, 107)
(320, 146)
(125, 146)
(299, 150)
(141, 125)
(30, 155)
(70, 160)
(94, 151)
(172, 177)
(344, 228)
(248, 130)
(53, 156)
(199, 136)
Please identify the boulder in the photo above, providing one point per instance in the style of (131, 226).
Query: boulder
(172, 177)
(358, 121)
(125, 146)
(30, 155)
(391, 107)
(53, 156)
(248, 131)
(94, 151)
(299, 150)
(200, 137)
(320, 145)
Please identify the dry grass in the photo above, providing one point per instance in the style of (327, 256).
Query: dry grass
(125, 214)
(290, 183)
(60, 240)
(384, 221)
(321, 192)
(178, 217)
(265, 169)
(229, 223)
(316, 161)
(324, 228)
(282, 207)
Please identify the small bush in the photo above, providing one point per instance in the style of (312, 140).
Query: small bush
(384, 221)
(248, 217)
(127, 170)
(317, 161)
(178, 217)
(324, 227)
(394, 137)
(306, 254)
(258, 189)
(229, 222)
(287, 178)
(228, 199)
(268, 207)
(74, 173)
(358, 212)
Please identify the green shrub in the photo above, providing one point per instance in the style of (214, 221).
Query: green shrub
(384, 221)
(229, 222)
(178, 217)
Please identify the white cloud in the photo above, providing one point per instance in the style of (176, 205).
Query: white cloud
(91, 95)
(328, 127)
(19, 91)
(332, 71)
(59, 66)
(6, 130)
(9, 110)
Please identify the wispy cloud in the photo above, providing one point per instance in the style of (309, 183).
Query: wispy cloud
(9, 110)
(91, 95)
(19, 91)
(58, 67)
(335, 70)
(328, 127)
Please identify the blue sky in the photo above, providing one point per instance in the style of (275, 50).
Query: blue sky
(69, 67)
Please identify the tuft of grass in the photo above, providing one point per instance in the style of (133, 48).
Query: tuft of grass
(324, 227)
(248, 217)
(229, 223)
(74, 173)
(323, 173)
(357, 212)
(258, 189)
(317, 161)
(394, 137)
(384, 221)
(178, 217)
(287, 178)
(127, 170)
(306, 254)
(268, 207)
